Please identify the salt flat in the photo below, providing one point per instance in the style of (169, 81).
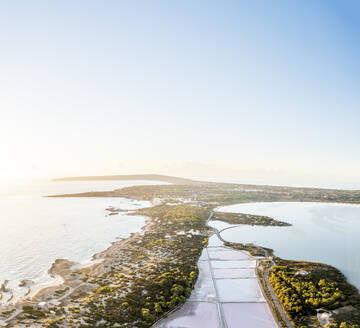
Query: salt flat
(233, 264)
(194, 314)
(226, 294)
(233, 273)
(248, 315)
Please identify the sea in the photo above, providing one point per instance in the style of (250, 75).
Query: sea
(36, 230)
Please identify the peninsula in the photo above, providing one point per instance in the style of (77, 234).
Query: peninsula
(139, 280)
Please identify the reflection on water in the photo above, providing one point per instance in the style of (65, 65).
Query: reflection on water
(321, 232)
(36, 230)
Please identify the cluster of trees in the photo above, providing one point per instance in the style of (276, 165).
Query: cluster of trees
(31, 312)
(148, 301)
(299, 294)
(193, 216)
(241, 218)
(251, 248)
(305, 287)
(341, 325)
(156, 287)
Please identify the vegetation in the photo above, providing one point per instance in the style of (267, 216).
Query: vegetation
(144, 277)
(341, 325)
(140, 282)
(61, 291)
(252, 249)
(267, 294)
(161, 286)
(214, 194)
(32, 312)
(304, 288)
(345, 324)
(241, 218)
(6, 313)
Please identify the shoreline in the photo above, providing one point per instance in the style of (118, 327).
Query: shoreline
(293, 260)
(139, 255)
(139, 264)
(236, 225)
(61, 271)
(346, 307)
(51, 280)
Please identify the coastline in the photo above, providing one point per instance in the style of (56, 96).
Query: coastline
(228, 225)
(139, 264)
(65, 269)
(61, 277)
(344, 308)
(140, 251)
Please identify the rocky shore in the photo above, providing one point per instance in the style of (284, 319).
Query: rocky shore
(133, 282)
(140, 279)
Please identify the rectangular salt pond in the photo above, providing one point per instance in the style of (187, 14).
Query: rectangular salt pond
(226, 254)
(235, 302)
(204, 255)
(248, 315)
(233, 273)
(204, 288)
(193, 314)
(233, 264)
(239, 290)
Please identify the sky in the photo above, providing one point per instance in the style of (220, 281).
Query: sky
(261, 91)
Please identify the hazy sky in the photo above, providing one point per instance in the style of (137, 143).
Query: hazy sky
(253, 89)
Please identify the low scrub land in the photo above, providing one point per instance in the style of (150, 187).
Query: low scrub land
(167, 271)
(215, 194)
(138, 282)
(254, 250)
(249, 219)
(142, 278)
(306, 289)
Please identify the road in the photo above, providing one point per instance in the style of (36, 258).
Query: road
(273, 296)
(266, 275)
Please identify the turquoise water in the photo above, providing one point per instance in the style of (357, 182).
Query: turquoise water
(320, 232)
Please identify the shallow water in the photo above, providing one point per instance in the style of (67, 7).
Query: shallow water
(223, 297)
(321, 232)
(36, 230)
